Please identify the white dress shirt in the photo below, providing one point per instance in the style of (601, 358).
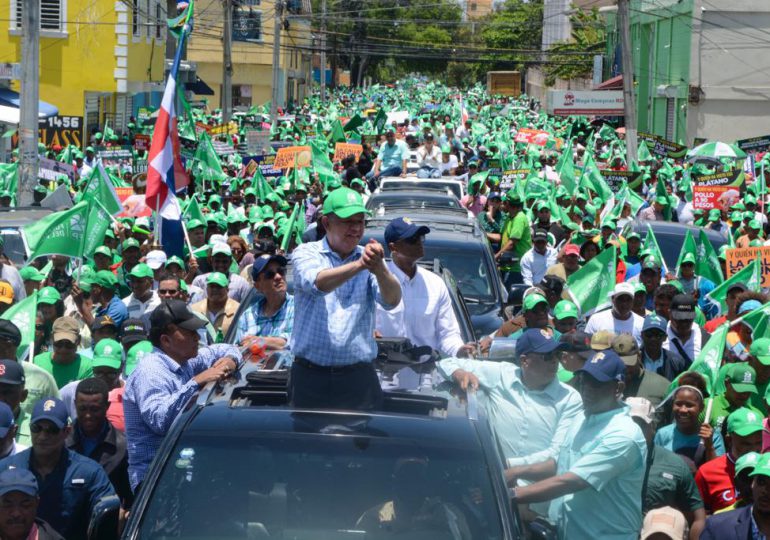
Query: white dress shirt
(141, 310)
(425, 314)
(534, 265)
(692, 346)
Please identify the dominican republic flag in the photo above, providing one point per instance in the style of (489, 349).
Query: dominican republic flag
(165, 173)
(463, 113)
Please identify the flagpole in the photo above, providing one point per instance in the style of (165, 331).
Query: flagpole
(187, 238)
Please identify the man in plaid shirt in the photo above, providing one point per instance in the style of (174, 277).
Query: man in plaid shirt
(271, 317)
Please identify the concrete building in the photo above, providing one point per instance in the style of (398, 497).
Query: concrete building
(701, 67)
(99, 59)
(252, 51)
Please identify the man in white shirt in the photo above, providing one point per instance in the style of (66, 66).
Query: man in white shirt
(449, 162)
(537, 260)
(682, 337)
(620, 319)
(425, 314)
(143, 300)
(429, 159)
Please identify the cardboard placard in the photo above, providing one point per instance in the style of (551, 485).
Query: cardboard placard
(257, 141)
(266, 164)
(511, 176)
(615, 179)
(133, 204)
(343, 150)
(662, 147)
(142, 142)
(754, 143)
(531, 136)
(285, 157)
(738, 258)
(229, 129)
(50, 169)
(719, 190)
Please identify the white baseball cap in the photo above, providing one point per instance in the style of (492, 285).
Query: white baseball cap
(623, 288)
(156, 259)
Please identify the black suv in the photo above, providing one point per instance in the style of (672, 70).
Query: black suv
(239, 463)
(462, 247)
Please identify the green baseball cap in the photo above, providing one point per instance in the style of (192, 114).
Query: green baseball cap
(48, 295)
(762, 466)
(746, 461)
(175, 260)
(217, 278)
(564, 310)
(108, 353)
(30, 273)
(141, 270)
(511, 197)
(194, 224)
(744, 422)
(742, 377)
(135, 354)
(532, 300)
(130, 243)
(760, 349)
(651, 263)
(688, 258)
(103, 250)
(715, 214)
(633, 236)
(344, 202)
(755, 224)
(106, 279)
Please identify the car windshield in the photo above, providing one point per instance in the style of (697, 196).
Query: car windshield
(13, 247)
(321, 486)
(470, 272)
(412, 202)
(454, 186)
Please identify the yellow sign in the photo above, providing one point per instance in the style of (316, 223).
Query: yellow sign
(343, 150)
(284, 158)
(739, 258)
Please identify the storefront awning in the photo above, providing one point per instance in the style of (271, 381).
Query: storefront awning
(10, 102)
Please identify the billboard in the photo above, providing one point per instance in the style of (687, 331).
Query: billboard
(587, 102)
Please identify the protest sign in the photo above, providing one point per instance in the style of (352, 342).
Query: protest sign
(719, 190)
(141, 142)
(662, 147)
(343, 150)
(615, 179)
(257, 141)
(511, 176)
(285, 157)
(222, 129)
(61, 130)
(265, 164)
(739, 258)
(531, 136)
(754, 144)
(132, 203)
(50, 169)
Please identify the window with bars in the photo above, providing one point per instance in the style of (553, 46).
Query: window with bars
(158, 21)
(51, 14)
(135, 28)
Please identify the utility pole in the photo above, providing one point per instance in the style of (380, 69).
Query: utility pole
(30, 98)
(276, 62)
(629, 96)
(323, 52)
(227, 64)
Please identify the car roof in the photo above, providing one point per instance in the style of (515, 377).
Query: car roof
(18, 217)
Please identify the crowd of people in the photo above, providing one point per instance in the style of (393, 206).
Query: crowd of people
(643, 413)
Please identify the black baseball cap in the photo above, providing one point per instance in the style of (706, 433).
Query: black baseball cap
(175, 312)
(11, 372)
(10, 332)
(683, 307)
(133, 331)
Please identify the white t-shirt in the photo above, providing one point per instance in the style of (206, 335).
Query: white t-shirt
(604, 320)
(449, 165)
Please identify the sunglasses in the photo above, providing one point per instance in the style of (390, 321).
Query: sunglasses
(270, 274)
(416, 239)
(40, 428)
(64, 345)
(168, 292)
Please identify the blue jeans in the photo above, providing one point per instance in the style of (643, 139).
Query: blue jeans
(390, 171)
(428, 172)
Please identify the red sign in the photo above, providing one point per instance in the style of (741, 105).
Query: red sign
(532, 136)
(142, 142)
(133, 204)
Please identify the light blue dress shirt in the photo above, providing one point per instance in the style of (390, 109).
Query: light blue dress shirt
(156, 392)
(609, 452)
(393, 156)
(334, 328)
(531, 425)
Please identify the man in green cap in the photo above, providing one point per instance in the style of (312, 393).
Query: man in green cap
(32, 278)
(716, 223)
(740, 385)
(336, 285)
(655, 211)
(217, 307)
(64, 362)
(196, 230)
(130, 255)
(143, 299)
(716, 478)
(103, 298)
(752, 233)
(515, 240)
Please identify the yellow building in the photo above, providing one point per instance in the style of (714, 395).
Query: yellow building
(99, 59)
(252, 50)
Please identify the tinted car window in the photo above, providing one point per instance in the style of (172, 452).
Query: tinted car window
(13, 247)
(407, 202)
(327, 486)
(470, 272)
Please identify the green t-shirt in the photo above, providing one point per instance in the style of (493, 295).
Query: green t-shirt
(64, 374)
(517, 228)
(670, 483)
(39, 384)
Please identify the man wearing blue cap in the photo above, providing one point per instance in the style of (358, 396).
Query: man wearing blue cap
(8, 428)
(425, 314)
(18, 508)
(271, 317)
(70, 484)
(530, 409)
(600, 469)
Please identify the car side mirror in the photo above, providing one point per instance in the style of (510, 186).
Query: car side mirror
(104, 519)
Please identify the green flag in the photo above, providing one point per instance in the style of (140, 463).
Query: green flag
(597, 183)
(750, 275)
(99, 187)
(295, 227)
(642, 152)
(206, 163)
(97, 223)
(193, 211)
(709, 359)
(707, 261)
(688, 246)
(261, 185)
(651, 244)
(9, 177)
(23, 315)
(60, 233)
(353, 124)
(591, 285)
(757, 320)
(566, 169)
(322, 165)
(337, 134)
